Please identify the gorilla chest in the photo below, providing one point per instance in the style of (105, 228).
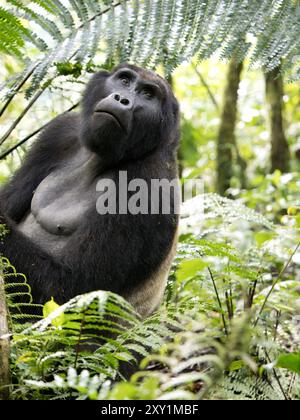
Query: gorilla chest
(59, 207)
(60, 203)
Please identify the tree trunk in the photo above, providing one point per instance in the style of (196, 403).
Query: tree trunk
(4, 346)
(280, 154)
(226, 138)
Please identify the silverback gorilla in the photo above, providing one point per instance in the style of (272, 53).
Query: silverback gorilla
(129, 123)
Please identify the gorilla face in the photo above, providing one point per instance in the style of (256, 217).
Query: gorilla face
(127, 113)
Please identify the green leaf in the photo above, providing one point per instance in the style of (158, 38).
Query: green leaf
(50, 307)
(66, 69)
(293, 211)
(189, 269)
(289, 361)
(264, 236)
(237, 365)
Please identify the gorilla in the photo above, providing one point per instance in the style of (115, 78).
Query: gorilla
(129, 123)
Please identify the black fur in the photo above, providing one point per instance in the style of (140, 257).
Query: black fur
(110, 252)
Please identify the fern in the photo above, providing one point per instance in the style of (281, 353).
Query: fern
(212, 206)
(13, 33)
(53, 348)
(18, 294)
(214, 338)
(240, 386)
(151, 33)
(215, 205)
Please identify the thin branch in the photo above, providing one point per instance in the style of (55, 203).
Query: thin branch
(278, 315)
(276, 281)
(229, 305)
(209, 91)
(219, 300)
(17, 89)
(286, 397)
(112, 6)
(24, 112)
(12, 149)
(291, 384)
(251, 292)
(21, 142)
(229, 301)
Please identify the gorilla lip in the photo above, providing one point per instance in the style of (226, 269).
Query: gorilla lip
(110, 114)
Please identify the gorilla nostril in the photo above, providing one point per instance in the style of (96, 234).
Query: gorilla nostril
(125, 101)
(117, 97)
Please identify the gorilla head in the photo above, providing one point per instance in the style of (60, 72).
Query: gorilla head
(128, 113)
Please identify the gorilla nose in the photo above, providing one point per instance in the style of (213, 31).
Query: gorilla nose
(122, 100)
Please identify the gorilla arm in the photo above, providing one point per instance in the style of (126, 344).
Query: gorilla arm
(114, 252)
(54, 141)
(42, 272)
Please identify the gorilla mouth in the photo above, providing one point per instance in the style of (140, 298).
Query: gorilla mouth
(111, 115)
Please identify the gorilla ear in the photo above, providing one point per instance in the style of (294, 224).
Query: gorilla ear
(175, 108)
(97, 77)
(102, 73)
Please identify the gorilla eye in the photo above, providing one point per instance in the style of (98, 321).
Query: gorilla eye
(125, 81)
(148, 92)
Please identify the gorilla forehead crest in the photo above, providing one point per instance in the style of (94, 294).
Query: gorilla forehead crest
(147, 75)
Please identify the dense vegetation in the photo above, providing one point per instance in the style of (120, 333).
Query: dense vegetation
(229, 327)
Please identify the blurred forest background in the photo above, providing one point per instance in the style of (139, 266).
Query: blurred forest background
(234, 293)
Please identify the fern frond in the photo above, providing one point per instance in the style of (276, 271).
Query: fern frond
(154, 32)
(240, 386)
(230, 210)
(81, 10)
(18, 295)
(46, 24)
(12, 33)
(58, 8)
(87, 319)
